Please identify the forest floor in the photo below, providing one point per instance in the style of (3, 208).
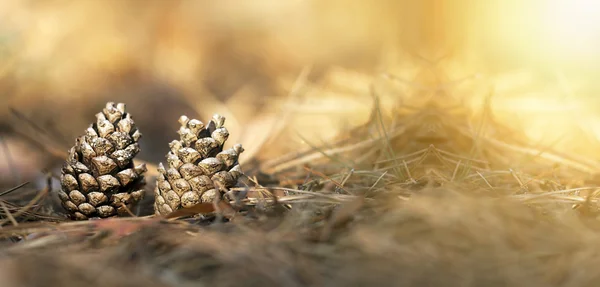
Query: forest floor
(429, 198)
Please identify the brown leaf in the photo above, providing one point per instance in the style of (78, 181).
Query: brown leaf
(200, 208)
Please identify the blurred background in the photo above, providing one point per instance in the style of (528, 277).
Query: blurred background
(284, 71)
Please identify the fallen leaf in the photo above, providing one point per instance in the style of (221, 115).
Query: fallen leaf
(200, 208)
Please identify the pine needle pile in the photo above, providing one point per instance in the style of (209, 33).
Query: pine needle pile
(433, 196)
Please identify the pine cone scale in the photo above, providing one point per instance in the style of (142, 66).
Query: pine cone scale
(87, 182)
(96, 198)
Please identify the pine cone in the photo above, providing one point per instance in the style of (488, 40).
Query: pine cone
(99, 177)
(199, 170)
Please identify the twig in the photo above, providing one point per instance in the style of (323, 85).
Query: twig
(512, 172)
(455, 170)
(128, 210)
(8, 214)
(376, 182)
(30, 204)
(14, 188)
(347, 177)
(485, 180)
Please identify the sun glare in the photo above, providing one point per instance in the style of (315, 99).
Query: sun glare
(573, 25)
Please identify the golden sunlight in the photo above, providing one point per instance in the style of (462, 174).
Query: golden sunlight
(573, 26)
(541, 58)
